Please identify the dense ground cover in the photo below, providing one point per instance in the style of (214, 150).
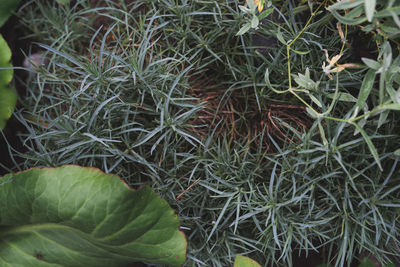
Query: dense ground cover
(277, 148)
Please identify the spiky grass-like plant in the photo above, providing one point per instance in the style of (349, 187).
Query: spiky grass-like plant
(130, 98)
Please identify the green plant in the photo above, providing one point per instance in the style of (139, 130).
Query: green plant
(255, 18)
(63, 2)
(7, 95)
(366, 262)
(6, 9)
(242, 261)
(76, 216)
(134, 99)
(387, 95)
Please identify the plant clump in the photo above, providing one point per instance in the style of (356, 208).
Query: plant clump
(271, 133)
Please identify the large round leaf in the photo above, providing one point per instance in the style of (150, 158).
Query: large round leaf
(7, 96)
(76, 216)
(243, 261)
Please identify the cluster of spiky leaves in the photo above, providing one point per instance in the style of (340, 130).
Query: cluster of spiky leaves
(121, 97)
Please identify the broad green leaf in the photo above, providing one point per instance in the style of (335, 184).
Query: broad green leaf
(245, 28)
(371, 146)
(5, 57)
(8, 97)
(6, 9)
(366, 88)
(243, 261)
(369, 8)
(76, 216)
(397, 152)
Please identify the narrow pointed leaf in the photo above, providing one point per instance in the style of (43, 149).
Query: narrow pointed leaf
(371, 146)
(390, 107)
(373, 64)
(245, 28)
(351, 18)
(366, 88)
(254, 22)
(265, 13)
(315, 100)
(382, 117)
(346, 4)
(346, 97)
(312, 113)
(369, 8)
(244, 9)
(279, 35)
(300, 52)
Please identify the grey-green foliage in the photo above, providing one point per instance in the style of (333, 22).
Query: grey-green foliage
(254, 19)
(373, 14)
(125, 106)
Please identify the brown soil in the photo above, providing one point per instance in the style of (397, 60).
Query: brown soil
(237, 117)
